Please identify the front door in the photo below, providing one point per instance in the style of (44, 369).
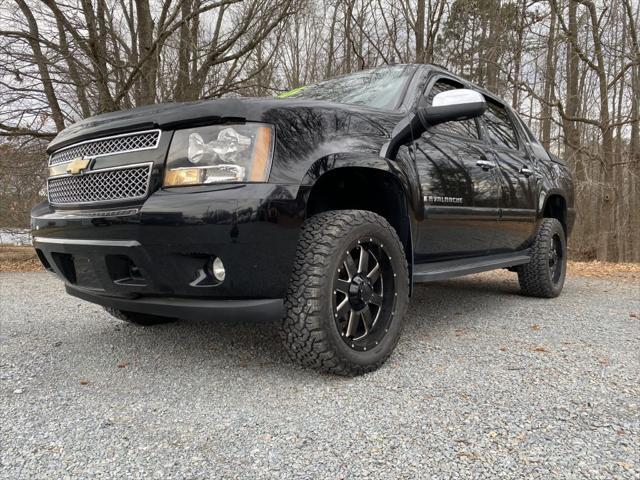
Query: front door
(460, 189)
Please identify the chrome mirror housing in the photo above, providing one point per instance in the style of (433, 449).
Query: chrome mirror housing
(453, 105)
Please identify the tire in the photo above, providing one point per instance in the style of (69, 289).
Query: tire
(319, 329)
(141, 319)
(544, 275)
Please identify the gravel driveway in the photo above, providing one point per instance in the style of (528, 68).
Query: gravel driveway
(484, 383)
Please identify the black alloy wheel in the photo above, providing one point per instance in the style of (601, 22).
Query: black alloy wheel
(363, 294)
(555, 258)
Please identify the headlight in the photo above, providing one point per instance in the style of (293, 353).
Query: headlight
(220, 153)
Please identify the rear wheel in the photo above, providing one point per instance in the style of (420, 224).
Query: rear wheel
(137, 318)
(348, 293)
(544, 275)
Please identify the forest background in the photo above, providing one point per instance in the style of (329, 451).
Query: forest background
(571, 68)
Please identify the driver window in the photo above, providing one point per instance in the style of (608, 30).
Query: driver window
(466, 128)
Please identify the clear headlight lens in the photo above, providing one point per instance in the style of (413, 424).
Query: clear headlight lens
(220, 153)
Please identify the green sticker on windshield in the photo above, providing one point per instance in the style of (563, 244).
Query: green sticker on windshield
(291, 92)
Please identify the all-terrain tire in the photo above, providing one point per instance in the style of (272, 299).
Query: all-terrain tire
(142, 319)
(309, 330)
(544, 275)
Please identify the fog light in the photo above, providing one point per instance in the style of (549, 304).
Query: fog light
(218, 269)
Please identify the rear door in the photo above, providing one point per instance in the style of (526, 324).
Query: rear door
(517, 178)
(460, 189)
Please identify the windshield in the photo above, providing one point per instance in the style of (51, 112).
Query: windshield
(379, 88)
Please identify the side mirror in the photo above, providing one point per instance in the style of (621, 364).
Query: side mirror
(452, 105)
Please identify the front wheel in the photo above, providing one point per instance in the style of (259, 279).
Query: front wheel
(544, 275)
(348, 293)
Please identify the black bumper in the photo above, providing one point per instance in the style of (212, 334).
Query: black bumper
(152, 257)
(189, 308)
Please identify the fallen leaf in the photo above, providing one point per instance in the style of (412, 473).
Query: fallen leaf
(535, 327)
(123, 365)
(621, 271)
(541, 350)
(625, 465)
(503, 349)
(467, 455)
(603, 360)
(84, 382)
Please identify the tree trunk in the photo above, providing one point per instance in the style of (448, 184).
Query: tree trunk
(98, 56)
(148, 56)
(518, 55)
(549, 82)
(43, 68)
(607, 242)
(419, 32)
(328, 72)
(184, 53)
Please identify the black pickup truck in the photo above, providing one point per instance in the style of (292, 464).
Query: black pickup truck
(324, 205)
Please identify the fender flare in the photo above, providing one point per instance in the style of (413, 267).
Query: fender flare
(543, 199)
(366, 161)
(569, 214)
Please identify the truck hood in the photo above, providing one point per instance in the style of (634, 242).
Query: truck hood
(170, 116)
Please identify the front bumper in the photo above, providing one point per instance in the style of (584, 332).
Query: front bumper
(187, 308)
(152, 257)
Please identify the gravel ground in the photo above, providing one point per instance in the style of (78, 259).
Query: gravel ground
(484, 383)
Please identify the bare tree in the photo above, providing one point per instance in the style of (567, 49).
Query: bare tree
(571, 67)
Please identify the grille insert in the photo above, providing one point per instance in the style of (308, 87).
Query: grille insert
(110, 185)
(130, 142)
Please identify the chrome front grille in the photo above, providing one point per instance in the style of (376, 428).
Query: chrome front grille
(128, 142)
(121, 184)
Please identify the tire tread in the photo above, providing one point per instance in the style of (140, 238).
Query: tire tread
(302, 331)
(533, 277)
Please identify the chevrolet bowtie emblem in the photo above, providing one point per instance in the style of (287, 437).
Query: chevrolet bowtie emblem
(77, 165)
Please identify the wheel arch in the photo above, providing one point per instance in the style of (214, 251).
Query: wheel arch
(374, 185)
(554, 205)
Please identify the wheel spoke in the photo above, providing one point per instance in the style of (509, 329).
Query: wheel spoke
(353, 323)
(364, 260)
(374, 274)
(376, 299)
(366, 319)
(343, 308)
(350, 266)
(342, 286)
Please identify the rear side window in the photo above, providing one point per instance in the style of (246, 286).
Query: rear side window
(466, 128)
(500, 129)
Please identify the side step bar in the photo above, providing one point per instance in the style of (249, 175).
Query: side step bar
(431, 272)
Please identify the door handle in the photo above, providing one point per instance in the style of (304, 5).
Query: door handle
(526, 171)
(485, 164)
